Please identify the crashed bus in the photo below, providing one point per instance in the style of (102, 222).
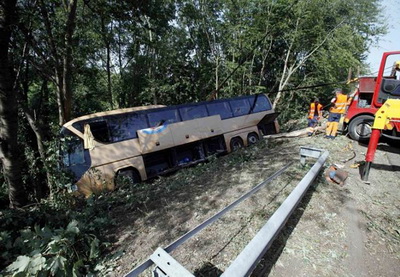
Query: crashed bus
(143, 142)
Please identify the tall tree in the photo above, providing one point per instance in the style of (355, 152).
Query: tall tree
(9, 150)
(53, 44)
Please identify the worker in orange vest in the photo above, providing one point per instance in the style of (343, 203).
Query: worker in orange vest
(339, 102)
(314, 115)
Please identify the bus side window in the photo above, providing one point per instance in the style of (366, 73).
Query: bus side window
(162, 117)
(259, 103)
(100, 131)
(221, 108)
(193, 112)
(240, 107)
(123, 127)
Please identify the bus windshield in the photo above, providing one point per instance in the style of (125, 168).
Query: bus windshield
(72, 152)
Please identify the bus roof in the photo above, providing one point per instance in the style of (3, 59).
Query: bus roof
(149, 107)
(113, 112)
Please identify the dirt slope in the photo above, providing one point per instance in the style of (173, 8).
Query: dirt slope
(336, 231)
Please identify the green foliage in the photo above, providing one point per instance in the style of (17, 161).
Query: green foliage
(53, 252)
(62, 237)
(180, 51)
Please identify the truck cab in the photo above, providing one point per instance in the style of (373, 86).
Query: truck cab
(360, 113)
(371, 94)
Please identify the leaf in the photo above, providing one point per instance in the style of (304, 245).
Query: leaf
(46, 232)
(73, 227)
(5, 240)
(54, 246)
(37, 263)
(99, 267)
(94, 248)
(58, 264)
(116, 255)
(19, 265)
(75, 268)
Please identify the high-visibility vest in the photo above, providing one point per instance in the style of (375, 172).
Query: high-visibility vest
(340, 104)
(312, 110)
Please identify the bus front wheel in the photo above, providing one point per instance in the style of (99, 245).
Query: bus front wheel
(127, 177)
(360, 127)
(236, 144)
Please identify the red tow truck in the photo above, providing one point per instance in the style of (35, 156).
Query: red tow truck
(371, 94)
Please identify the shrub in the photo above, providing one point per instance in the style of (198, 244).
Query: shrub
(63, 238)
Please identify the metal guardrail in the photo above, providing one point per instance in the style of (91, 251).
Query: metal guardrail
(139, 269)
(247, 260)
(245, 263)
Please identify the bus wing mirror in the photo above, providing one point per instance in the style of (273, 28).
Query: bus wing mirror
(88, 138)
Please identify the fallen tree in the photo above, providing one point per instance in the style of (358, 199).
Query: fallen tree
(299, 133)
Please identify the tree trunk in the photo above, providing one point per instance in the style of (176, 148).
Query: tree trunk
(108, 59)
(67, 59)
(264, 56)
(58, 64)
(122, 99)
(60, 96)
(298, 133)
(250, 74)
(216, 76)
(152, 62)
(63, 62)
(66, 88)
(40, 187)
(108, 68)
(9, 151)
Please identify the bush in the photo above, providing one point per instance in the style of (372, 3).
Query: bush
(63, 238)
(60, 252)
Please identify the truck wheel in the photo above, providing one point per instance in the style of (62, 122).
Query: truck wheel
(360, 127)
(236, 144)
(252, 138)
(127, 177)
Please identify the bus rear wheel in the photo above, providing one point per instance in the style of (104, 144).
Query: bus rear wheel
(127, 177)
(360, 128)
(236, 144)
(252, 138)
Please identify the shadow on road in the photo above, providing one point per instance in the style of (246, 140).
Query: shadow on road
(208, 270)
(385, 167)
(384, 145)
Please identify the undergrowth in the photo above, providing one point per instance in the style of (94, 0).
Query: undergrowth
(69, 236)
(56, 238)
(138, 195)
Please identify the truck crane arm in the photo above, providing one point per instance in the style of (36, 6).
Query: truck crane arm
(385, 117)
